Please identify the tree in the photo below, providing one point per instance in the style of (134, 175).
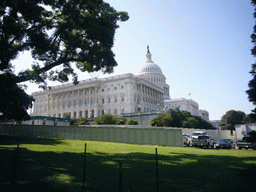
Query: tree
(231, 118)
(162, 120)
(202, 124)
(157, 121)
(13, 100)
(191, 122)
(177, 118)
(253, 135)
(252, 84)
(57, 32)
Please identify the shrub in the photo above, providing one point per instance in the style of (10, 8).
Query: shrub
(105, 119)
(82, 121)
(132, 122)
(119, 120)
(73, 121)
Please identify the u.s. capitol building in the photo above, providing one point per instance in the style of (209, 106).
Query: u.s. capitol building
(121, 94)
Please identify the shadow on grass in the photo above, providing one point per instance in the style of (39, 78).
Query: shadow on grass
(52, 171)
(14, 140)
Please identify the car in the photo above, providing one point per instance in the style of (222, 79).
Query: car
(187, 140)
(225, 144)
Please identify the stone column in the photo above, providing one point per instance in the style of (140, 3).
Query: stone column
(141, 98)
(83, 102)
(57, 104)
(72, 103)
(89, 96)
(96, 102)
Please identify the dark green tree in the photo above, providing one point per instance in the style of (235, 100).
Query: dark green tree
(252, 84)
(57, 32)
(231, 118)
(202, 124)
(158, 121)
(253, 134)
(191, 122)
(14, 102)
(177, 118)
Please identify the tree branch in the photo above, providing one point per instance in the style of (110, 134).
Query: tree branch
(24, 78)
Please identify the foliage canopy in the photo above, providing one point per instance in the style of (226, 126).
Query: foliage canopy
(252, 83)
(231, 118)
(56, 32)
(177, 118)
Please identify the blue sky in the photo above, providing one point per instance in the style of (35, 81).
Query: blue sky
(202, 47)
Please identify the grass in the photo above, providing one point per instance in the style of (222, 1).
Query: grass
(50, 164)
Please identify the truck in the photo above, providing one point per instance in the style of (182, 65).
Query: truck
(204, 141)
(246, 143)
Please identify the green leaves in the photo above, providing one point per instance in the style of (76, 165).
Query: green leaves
(252, 84)
(177, 118)
(14, 100)
(58, 32)
(231, 118)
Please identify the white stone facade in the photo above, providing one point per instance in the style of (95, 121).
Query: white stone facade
(183, 104)
(204, 114)
(93, 97)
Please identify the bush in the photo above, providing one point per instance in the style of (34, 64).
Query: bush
(82, 121)
(120, 120)
(105, 120)
(73, 121)
(132, 122)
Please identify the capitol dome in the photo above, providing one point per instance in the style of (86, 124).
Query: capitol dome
(149, 66)
(153, 72)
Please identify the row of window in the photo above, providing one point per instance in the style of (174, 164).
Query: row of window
(115, 88)
(39, 100)
(70, 103)
(90, 114)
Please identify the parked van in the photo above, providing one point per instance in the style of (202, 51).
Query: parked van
(195, 134)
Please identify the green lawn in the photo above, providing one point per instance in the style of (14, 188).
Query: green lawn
(49, 164)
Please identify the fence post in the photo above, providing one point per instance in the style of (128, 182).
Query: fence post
(15, 165)
(84, 166)
(120, 178)
(157, 178)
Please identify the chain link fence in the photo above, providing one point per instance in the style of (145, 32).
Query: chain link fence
(23, 169)
(30, 169)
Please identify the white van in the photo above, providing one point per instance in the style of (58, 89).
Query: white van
(195, 134)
